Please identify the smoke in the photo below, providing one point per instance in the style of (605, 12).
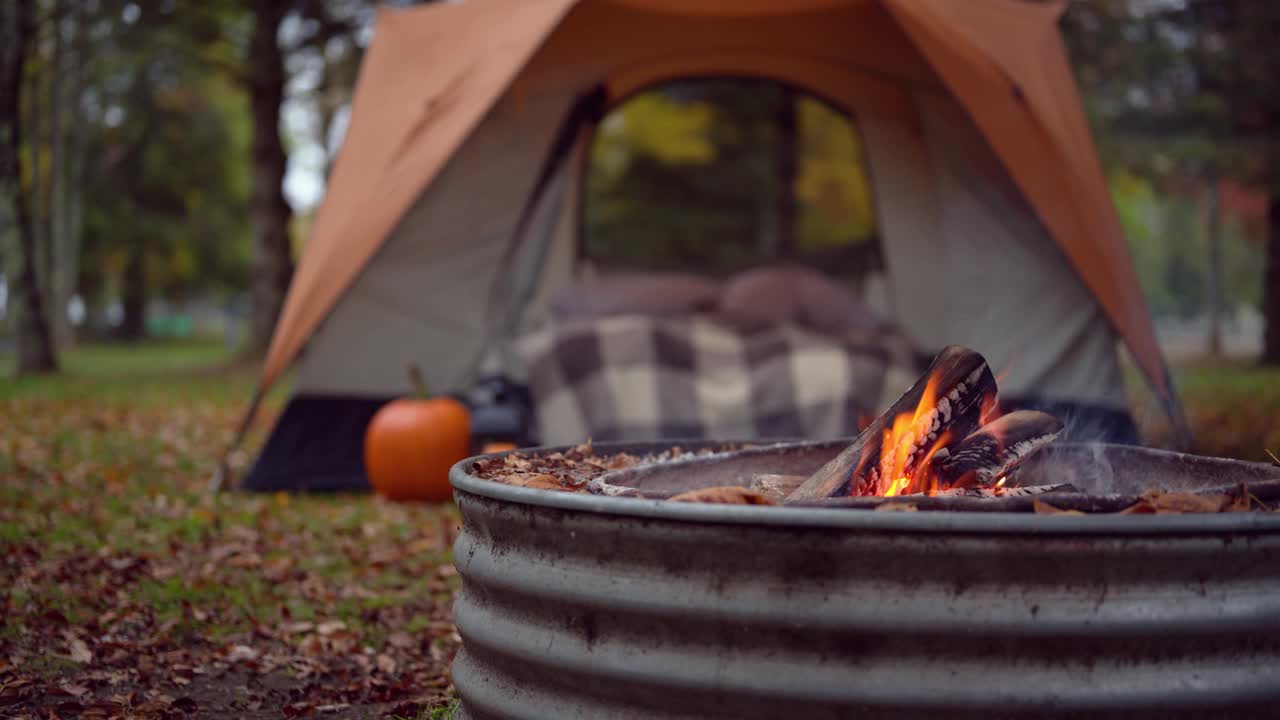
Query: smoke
(1101, 473)
(1088, 467)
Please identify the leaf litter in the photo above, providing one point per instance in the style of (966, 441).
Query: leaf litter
(126, 591)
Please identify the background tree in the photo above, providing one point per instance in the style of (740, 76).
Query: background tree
(329, 29)
(36, 352)
(1183, 95)
(155, 150)
(1240, 61)
(168, 182)
(272, 252)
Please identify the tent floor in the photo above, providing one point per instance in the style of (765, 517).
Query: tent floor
(317, 445)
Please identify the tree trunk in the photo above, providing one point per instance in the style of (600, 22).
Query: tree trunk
(778, 226)
(1213, 238)
(1271, 283)
(133, 296)
(36, 353)
(270, 213)
(73, 195)
(55, 263)
(33, 131)
(785, 169)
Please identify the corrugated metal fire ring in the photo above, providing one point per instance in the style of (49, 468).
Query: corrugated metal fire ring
(577, 606)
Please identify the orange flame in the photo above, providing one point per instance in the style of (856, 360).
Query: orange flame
(899, 475)
(904, 465)
(990, 409)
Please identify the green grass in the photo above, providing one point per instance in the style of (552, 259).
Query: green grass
(145, 372)
(1236, 379)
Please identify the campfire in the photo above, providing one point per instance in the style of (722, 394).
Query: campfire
(944, 445)
(945, 433)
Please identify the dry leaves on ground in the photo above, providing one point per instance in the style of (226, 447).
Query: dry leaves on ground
(125, 591)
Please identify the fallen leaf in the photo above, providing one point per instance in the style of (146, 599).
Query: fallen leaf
(242, 653)
(277, 568)
(79, 651)
(312, 646)
(222, 552)
(153, 707)
(330, 627)
(401, 639)
(725, 495)
(1158, 502)
(298, 708)
(422, 545)
(1239, 501)
(1043, 508)
(537, 481)
(245, 560)
(343, 641)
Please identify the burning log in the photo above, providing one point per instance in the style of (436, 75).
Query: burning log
(942, 433)
(990, 452)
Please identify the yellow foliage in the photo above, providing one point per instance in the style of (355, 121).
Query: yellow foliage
(675, 133)
(837, 207)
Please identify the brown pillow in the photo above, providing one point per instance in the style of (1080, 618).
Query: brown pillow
(636, 293)
(794, 294)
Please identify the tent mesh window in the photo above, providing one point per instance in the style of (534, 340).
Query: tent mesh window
(724, 174)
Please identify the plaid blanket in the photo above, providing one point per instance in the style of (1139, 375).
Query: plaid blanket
(633, 377)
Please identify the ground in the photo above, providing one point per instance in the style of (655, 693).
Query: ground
(1233, 408)
(126, 589)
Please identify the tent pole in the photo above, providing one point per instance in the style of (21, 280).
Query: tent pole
(221, 479)
(1183, 438)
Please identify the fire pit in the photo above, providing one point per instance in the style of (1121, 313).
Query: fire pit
(1077, 594)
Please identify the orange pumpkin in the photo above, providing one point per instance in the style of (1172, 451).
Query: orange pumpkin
(411, 443)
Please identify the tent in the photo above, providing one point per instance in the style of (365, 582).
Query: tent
(995, 219)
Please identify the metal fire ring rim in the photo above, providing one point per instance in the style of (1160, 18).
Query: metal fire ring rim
(950, 522)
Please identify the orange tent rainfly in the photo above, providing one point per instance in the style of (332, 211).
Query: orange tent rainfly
(996, 225)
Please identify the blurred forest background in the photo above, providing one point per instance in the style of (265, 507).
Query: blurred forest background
(162, 159)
